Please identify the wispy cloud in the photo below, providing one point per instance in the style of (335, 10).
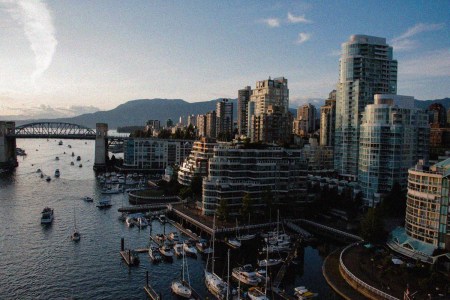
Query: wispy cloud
(404, 41)
(297, 19)
(46, 111)
(272, 22)
(36, 19)
(302, 37)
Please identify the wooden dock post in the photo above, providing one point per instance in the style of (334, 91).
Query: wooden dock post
(129, 256)
(146, 278)
(122, 244)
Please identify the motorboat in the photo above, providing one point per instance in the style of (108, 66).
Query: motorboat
(80, 165)
(178, 249)
(75, 235)
(181, 288)
(57, 173)
(162, 219)
(104, 203)
(78, 158)
(160, 237)
(270, 262)
(48, 178)
(246, 237)
(246, 275)
(70, 146)
(57, 158)
(109, 190)
(130, 221)
(303, 293)
(88, 199)
(234, 243)
(255, 293)
(73, 154)
(72, 163)
(189, 249)
(60, 143)
(38, 171)
(166, 251)
(216, 285)
(154, 254)
(47, 215)
(142, 222)
(202, 247)
(173, 236)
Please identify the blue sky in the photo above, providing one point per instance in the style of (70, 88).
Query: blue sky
(68, 57)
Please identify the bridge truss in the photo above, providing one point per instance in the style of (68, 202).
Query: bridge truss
(59, 130)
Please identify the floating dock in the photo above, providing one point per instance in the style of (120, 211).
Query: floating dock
(126, 255)
(151, 293)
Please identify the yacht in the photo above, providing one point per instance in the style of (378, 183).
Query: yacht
(166, 251)
(60, 143)
(173, 236)
(88, 199)
(78, 158)
(202, 247)
(75, 235)
(246, 275)
(130, 221)
(47, 215)
(188, 248)
(255, 293)
(270, 262)
(154, 254)
(57, 173)
(234, 243)
(303, 293)
(104, 203)
(181, 288)
(246, 237)
(178, 248)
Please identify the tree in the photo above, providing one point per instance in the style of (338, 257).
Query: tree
(164, 134)
(185, 192)
(372, 227)
(222, 210)
(196, 185)
(394, 204)
(246, 205)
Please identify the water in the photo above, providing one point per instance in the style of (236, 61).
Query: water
(40, 262)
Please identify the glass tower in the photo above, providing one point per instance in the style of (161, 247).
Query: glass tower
(366, 68)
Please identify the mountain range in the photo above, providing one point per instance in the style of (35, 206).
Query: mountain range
(137, 112)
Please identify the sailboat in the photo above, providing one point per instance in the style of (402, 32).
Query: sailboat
(234, 242)
(181, 287)
(75, 234)
(213, 282)
(248, 236)
(255, 293)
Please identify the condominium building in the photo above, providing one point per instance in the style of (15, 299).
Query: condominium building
(201, 125)
(306, 120)
(242, 111)
(268, 111)
(197, 161)
(319, 158)
(236, 170)
(211, 124)
(224, 117)
(153, 154)
(328, 120)
(393, 137)
(366, 68)
(438, 115)
(427, 213)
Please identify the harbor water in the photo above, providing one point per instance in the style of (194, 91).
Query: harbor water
(41, 262)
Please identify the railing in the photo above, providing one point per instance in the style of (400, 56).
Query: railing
(340, 232)
(359, 281)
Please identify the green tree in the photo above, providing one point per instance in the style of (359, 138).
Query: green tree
(222, 210)
(164, 134)
(372, 226)
(246, 205)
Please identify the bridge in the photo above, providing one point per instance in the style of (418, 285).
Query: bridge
(58, 130)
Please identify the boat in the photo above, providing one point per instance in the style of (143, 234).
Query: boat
(57, 158)
(73, 154)
(88, 199)
(234, 243)
(213, 282)
(142, 222)
(47, 215)
(270, 262)
(188, 248)
(181, 287)
(202, 247)
(80, 165)
(130, 221)
(42, 175)
(160, 237)
(303, 293)
(154, 254)
(178, 249)
(173, 236)
(104, 203)
(246, 275)
(75, 234)
(166, 251)
(38, 171)
(72, 163)
(255, 293)
(60, 143)
(57, 173)
(48, 178)
(246, 237)
(109, 190)
(162, 219)
(78, 158)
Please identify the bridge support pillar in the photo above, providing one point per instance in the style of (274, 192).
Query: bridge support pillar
(8, 157)
(101, 146)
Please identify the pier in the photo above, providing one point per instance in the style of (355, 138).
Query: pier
(151, 293)
(142, 208)
(329, 229)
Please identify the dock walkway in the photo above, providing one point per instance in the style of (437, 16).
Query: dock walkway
(143, 207)
(329, 229)
(151, 293)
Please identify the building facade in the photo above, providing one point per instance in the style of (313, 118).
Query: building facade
(306, 120)
(328, 120)
(366, 68)
(242, 111)
(211, 124)
(393, 137)
(224, 117)
(153, 154)
(235, 171)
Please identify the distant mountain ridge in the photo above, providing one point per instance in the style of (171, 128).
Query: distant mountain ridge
(137, 112)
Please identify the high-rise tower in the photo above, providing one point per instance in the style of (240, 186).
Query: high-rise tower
(242, 111)
(224, 118)
(366, 68)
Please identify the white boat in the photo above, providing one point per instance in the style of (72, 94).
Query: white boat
(75, 234)
(303, 293)
(47, 215)
(142, 222)
(270, 262)
(178, 249)
(104, 203)
(181, 287)
(246, 275)
(255, 293)
(173, 236)
(246, 237)
(166, 251)
(130, 221)
(38, 171)
(154, 254)
(57, 173)
(57, 158)
(88, 199)
(234, 243)
(72, 163)
(60, 143)
(110, 190)
(189, 248)
(162, 219)
(202, 247)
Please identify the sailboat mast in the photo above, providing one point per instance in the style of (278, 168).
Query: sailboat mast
(213, 238)
(228, 276)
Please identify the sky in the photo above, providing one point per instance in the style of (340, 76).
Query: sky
(63, 58)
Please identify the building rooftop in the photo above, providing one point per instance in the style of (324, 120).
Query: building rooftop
(400, 237)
